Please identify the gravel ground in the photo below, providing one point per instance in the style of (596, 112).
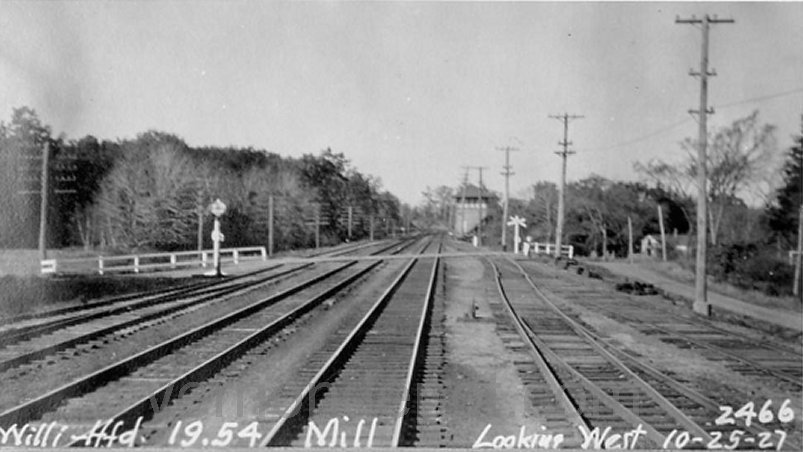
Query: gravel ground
(482, 384)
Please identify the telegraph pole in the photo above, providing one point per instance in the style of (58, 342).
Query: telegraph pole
(561, 195)
(43, 204)
(317, 225)
(270, 225)
(507, 173)
(799, 256)
(463, 201)
(701, 305)
(479, 224)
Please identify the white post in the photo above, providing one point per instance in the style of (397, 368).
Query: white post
(203, 259)
(136, 264)
(172, 261)
(217, 208)
(235, 257)
(100, 265)
(516, 222)
(216, 246)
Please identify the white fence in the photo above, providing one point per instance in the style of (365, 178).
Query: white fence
(155, 261)
(549, 248)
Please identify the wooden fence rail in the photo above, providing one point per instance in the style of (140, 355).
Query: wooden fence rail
(136, 263)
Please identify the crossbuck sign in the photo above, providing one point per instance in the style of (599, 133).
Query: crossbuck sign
(517, 222)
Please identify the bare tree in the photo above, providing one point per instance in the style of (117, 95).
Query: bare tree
(738, 157)
(149, 196)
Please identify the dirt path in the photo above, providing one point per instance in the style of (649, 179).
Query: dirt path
(482, 384)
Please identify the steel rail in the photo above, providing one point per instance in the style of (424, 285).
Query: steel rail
(169, 291)
(19, 334)
(165, 394)
(623, 412)
(209, 294)
(560, 392)
(405, 407)
(758, 366)
(65, 344)
(794, 353)
(672, 410)
(279, 431)
(691, 393)
(633, 362)
(30, 410)
(781, 375)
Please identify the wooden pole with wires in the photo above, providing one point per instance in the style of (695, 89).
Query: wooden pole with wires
(562, 191)
(701, 305)
(507, 173)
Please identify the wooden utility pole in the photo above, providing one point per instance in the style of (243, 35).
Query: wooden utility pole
(270, 225)
(201, 209)
(200, 231)
(351, 212)
(463, 202)
(701, 305)
(482, 197)
(629, 239)
(507, 173)
(562, 192)
(43, 204)
(317, 225)
(371, 228)
(799, 256)
(663, 232)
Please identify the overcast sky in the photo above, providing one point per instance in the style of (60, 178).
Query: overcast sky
(410, 92)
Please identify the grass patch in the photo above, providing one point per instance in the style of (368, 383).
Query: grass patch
(27, 294)
(683, 273)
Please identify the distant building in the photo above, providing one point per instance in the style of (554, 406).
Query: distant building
(650, 246)
(470, 203)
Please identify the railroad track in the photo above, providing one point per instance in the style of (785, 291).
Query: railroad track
(26, 326)
(581, 385)
(138, 385)
(363, 390)
(31, 344)
(747, 356)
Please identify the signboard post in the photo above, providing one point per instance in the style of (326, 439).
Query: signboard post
(217, 208)
(517, 222)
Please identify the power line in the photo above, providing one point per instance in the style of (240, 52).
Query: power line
(642, 137)
(686, 119)
(760, 98)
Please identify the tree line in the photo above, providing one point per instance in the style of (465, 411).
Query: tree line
(753, 207)
(152, 192)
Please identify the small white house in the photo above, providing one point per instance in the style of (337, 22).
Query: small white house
(650, 246)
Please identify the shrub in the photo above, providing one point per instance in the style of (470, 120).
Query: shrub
(748, 266)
